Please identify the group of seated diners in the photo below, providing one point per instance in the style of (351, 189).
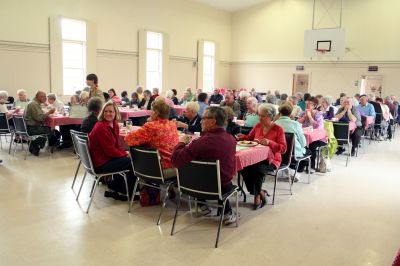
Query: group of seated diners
(214, 117)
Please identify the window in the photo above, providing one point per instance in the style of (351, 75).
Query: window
(208, 66)
(154, 60)
(73, 34)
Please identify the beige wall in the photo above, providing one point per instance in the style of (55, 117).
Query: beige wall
(267, 44)
(117, 24)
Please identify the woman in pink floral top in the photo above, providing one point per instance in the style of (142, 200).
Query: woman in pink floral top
(159, 133)
(311, 116)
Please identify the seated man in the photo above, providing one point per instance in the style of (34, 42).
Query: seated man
(94, 108)
(191, 122)
(215, 144)
(202, 100)
(365, 108)
(230, 101)
(347, 113)
(34, 118)
(216, 98)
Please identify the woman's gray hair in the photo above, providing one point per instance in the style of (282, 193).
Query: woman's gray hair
(268, 109)
(169, 94)
(253, 101)
(218, 114)
(328, 100)
(271, 99)
(3, 94)
(21, 90)
(244, 94)
(52, 96)
(193, 106)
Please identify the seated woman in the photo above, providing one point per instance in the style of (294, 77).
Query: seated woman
(191, 122)
(94, 107)
(251, 117)
(311, 117)
(114, 97)
(3, 106)
(124, 98)
(292, 126)
(145, 104)
(106, 149)
(231, 127)
(134, 102)
(159, 133)
(269, 134)
(328, 111)
(296, 109)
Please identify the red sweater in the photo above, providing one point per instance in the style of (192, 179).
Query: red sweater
(277, 141)
(104, 143)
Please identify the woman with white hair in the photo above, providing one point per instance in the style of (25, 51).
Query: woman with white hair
(243, 96)
(251, 117)
(3, 102)
(53, 102)
(326, 108)
(269, 134)
(22, 101)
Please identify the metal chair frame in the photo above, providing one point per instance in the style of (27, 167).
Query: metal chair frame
(224, 198)
(5, 130)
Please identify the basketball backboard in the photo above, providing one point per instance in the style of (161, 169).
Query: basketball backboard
(332, 41)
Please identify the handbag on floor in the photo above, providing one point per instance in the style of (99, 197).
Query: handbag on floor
(149, 196)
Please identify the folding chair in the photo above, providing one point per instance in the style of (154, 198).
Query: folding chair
(146, 163)
(201, 180)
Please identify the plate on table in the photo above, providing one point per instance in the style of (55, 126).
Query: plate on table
(247, 143)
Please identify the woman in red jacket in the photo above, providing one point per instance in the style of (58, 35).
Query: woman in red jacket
(105, 145)
(269, 134)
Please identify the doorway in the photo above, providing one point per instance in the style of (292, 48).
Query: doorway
(301, 83)
(371, 85)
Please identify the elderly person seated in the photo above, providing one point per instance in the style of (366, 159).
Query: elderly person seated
(365, 108)
(3, 106)
(202, 100)
(251, 117)
(22, 101)
(174, 98)
(215, 144)
(243, 96)
(170, 103)
(328, 111)
(171, 95)
(159, 133)
(145, 104)
(114, 97)
(296, 108)
(191, 122)
(230, 102)
(94, 107)
(185, 98)
(348, 113)
(271, 99)
(217, 97)
(155, 93)
(311, 117)
(53, 102)
(386, 116)
(231, 127)
(106, 149)
(34, 117)
(292, 126)
(190, 94)
(269, 134)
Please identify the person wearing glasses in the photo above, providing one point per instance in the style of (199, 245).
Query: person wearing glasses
(214, 144)
(267, 133)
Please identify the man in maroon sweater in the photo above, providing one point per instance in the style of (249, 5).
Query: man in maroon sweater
(215, 144)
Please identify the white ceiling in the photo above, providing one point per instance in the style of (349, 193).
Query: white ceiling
(230, 5)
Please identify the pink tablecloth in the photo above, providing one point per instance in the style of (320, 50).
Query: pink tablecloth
(252, 155)
(179, 109)
(316, 134)
(369, 120)
(58, 120)
(126, 113)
